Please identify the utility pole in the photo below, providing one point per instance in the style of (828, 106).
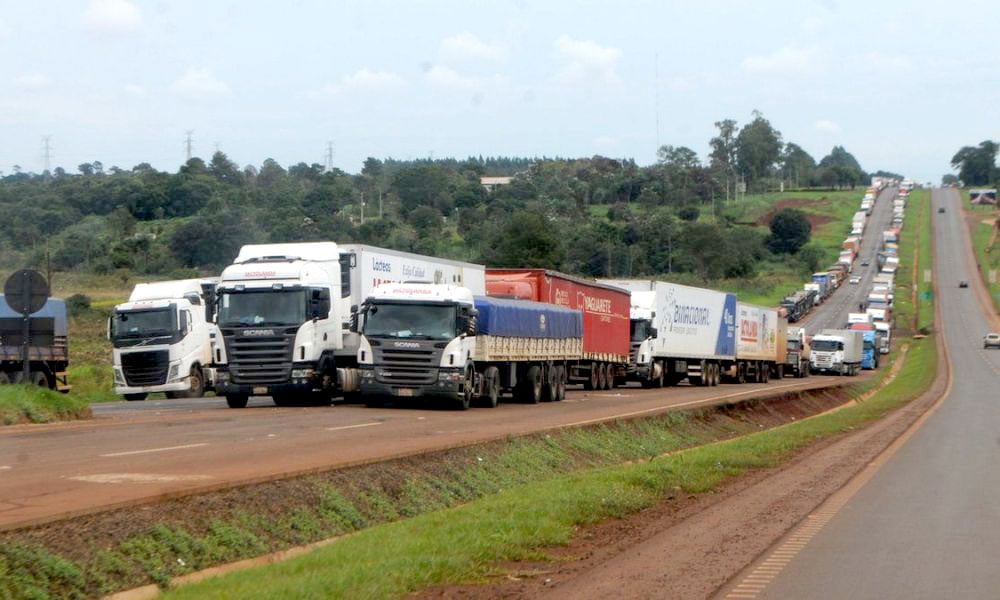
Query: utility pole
(329, 157)
(187, 143)
(380, 203)
(47, 152)
(362, 208)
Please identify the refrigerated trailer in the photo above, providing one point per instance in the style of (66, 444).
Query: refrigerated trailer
(683, 332)
(606, 322)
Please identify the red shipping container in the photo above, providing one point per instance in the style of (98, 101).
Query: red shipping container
(606, 332)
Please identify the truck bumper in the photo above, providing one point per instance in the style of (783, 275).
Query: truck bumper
(449, 388)
(175, 386)
(302, 384)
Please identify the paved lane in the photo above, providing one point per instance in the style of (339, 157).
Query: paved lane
(928, 524)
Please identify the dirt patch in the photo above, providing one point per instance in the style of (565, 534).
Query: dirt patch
(285, 513)
(814, 220)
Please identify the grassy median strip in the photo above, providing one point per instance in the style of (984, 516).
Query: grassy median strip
(33, 404)
(467, 542)
(915, 255)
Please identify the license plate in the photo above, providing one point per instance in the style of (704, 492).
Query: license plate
(404, 392)
(260, 390)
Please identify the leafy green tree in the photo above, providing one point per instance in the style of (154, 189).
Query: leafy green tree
(758, 148)
(790, 230)
(797, 164)
(526, 240)
(977, 164)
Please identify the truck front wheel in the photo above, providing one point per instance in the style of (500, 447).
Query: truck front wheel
(237, 400)
(196, 389)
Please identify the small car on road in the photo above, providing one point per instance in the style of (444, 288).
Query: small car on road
(865, 263)
(941, 210)
(991, 340)
(855, 279)
(963, 284)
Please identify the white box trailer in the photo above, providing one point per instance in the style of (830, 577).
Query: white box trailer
(285, 314)
(690, 332)
(761, 342)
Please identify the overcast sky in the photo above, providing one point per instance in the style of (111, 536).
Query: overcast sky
(901, 84)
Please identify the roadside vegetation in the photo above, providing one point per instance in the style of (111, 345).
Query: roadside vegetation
(914, 296)
(33, 404)
(980, 230)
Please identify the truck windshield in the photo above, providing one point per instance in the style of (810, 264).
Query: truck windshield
(640, 330)
(424, 321)
(143, 323)
(793, 345)
(827, 345)
(262, 307)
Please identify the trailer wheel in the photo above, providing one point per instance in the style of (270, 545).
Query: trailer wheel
(765, 373)
(40, 379)
(4, 378)
(714, 373)
(741, 373)
(561, 378)
(135, 397)
(530, 389)
(491, 387)
(602, 377)
(550, 386)
(237, 400)
(612, 382)
(593, 382)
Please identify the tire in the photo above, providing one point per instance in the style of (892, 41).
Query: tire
(716, 375)
(530, 389)
(491, 387)
(197, 388)
(741, 373)
(4, 378)
(550, 385)
(135, 397)
(611, 377)
(593, 381)
(281, 400)
(660, 381)
(561, 377)
(602, 377)
(781, 372)
(40, 379)
(765, 373)
(237, 400)
(374, 402)
(468, 389)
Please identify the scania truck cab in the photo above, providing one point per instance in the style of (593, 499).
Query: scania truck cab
(162, 340)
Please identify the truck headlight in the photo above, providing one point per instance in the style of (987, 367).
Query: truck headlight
(174, 368)
(450, 375)
(303, 373)
(119, 376)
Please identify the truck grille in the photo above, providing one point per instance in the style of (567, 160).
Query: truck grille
(145, 368)
(406, 366)
(255, 358)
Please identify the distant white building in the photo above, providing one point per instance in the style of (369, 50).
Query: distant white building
(492, 183)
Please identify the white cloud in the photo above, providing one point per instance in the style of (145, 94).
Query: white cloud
(586, 61)
(813, 24)
(112, 16)
(879, 61)
(788, 59)
(35, 81)
(465, 46)
(827, 126)
(199, 83)
(363, 79)
(133, 89)
(449, 78)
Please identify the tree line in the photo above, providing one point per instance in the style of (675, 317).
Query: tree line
(595, 216)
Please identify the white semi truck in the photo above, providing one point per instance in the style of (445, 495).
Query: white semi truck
(285, 313)
(421, 340)
(162, 340)
(837, 351)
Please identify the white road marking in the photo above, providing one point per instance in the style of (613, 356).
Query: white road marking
(137, 478)
(353, 426)
(151, 450)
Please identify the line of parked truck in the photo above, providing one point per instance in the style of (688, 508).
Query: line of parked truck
(305, 322)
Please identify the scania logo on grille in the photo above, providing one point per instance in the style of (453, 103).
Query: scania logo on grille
(258, 333)
(406, 344)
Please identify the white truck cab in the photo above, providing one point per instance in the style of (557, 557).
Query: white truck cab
(163, 340)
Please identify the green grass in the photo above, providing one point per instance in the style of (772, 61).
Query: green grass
(467, 542)
(980, 238)
(33, 404)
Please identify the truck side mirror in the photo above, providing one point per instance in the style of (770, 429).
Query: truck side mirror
(652, 332)
(108, 330)
(354, 319)
(471, 326)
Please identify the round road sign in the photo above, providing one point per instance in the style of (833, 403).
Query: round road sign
(26, 291)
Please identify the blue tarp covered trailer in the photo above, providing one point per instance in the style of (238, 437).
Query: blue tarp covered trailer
(504, 317)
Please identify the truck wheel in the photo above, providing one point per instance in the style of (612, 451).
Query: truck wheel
(40, 379)
(593, 382)
(602, 377)
(611, 377)
(550, 388)
(491, 387)
(4, 378)
(237, 400)
(135, 397)
(716, 374)
(532, 387)
(765, 373)
(467, 390)
(561, 378)
(741, 373)
(195, 390)
(781, 372)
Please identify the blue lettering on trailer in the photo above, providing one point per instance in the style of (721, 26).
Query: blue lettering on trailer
(725, 343)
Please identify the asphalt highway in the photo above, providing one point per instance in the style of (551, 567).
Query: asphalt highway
(927, 525)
